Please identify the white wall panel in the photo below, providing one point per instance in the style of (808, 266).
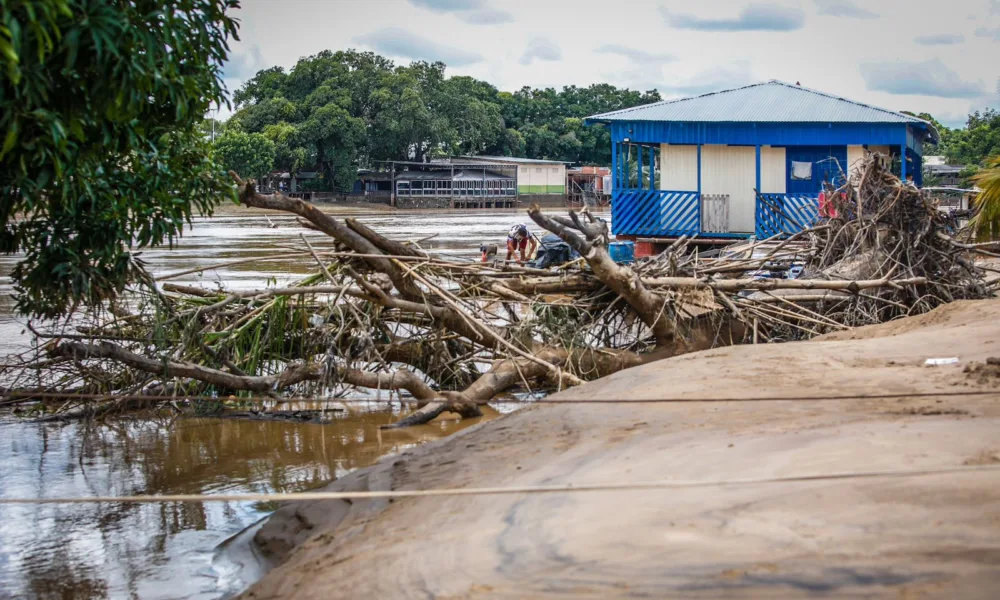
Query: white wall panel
(772, 170)
(855, 155)
(679, 168)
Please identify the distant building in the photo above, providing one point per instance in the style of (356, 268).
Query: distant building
(712, 151)
(945, 175)
(588, 185)
(534, 176)
(290, 184)
(464, 182)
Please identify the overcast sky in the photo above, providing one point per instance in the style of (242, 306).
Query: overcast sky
(936, 56)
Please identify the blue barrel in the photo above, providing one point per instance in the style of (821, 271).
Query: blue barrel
(622, 252)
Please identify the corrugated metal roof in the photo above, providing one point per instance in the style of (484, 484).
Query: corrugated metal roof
(442, 174)
(512, 159)
(770, 102)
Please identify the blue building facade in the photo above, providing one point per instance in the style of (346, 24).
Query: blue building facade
(669, 159)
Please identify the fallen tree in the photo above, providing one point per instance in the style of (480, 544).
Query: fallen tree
(448, 335)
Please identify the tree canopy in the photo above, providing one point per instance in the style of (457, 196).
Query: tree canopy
(979, 140)
(250, 155)
(337, 111)
(971, 146)
(100, 102)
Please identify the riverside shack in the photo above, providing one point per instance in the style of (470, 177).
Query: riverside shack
(690, 166)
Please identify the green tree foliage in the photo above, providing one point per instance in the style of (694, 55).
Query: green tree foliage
(100, 105)
(551, 122)
(212, 128)
(337, 111)
(979, 140)
(944, 133)
(987, 220)
(251, 155)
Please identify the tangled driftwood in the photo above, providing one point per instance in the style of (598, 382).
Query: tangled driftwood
(448, 335)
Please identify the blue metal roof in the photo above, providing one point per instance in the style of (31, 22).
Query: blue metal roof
(770, 102)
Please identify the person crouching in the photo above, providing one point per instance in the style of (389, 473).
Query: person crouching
(489, 252)
(517, 240)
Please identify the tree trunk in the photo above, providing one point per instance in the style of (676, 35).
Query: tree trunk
(650, 307)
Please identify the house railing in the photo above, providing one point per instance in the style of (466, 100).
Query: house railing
(715, 213)
(655, 212)
(785, 214)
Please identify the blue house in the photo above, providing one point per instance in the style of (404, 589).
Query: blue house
(691, 166)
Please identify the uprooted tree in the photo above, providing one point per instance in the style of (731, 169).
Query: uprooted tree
(448, 335)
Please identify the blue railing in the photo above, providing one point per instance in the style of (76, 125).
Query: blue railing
(655, 212)
(786, 214)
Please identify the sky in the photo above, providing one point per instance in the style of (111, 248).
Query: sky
(936, 56)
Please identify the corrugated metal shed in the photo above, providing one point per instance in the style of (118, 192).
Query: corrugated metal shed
(770, 102)
(513, 160)
(460, 175)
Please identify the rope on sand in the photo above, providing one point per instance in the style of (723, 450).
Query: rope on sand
(12, 396)
(496, 491)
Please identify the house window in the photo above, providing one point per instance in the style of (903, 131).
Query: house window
(555, 169)
(802, 171)
(538, 170)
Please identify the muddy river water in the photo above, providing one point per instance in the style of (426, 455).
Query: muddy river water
(170, 550)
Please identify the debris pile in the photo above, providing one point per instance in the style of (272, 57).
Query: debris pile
(449, 335)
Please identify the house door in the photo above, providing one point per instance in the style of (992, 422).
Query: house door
(732, 170)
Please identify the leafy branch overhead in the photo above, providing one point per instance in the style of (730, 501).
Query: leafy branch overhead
(101, 103)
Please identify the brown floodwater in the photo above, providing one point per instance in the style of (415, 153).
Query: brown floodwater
(172, 550)
(164, 550)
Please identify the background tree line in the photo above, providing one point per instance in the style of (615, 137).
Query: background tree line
(337, 111)
(971, 146)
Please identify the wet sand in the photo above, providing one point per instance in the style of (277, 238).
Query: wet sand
(910, 537)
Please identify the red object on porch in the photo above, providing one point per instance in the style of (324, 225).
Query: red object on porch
(826, 206)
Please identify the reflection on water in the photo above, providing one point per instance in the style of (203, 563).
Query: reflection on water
(161, 550)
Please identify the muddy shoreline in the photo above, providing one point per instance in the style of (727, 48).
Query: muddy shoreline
(924, 536)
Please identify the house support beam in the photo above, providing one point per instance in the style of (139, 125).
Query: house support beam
(699, 170)
(758, 168)
(615, 179)
(700, 216)
(638, 168)
(652, 168)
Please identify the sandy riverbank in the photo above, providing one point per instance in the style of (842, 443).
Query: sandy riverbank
(934, 536)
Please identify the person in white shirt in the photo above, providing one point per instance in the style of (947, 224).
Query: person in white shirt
(518, 239)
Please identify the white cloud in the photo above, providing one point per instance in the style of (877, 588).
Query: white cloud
(940, 39)
(397, 42)
(540, 49)
(844, 8)
(477, 12)
(244, 65)
(714, 79)
(636, 55)
(930, 78)
(754, 17)
(992, 33)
